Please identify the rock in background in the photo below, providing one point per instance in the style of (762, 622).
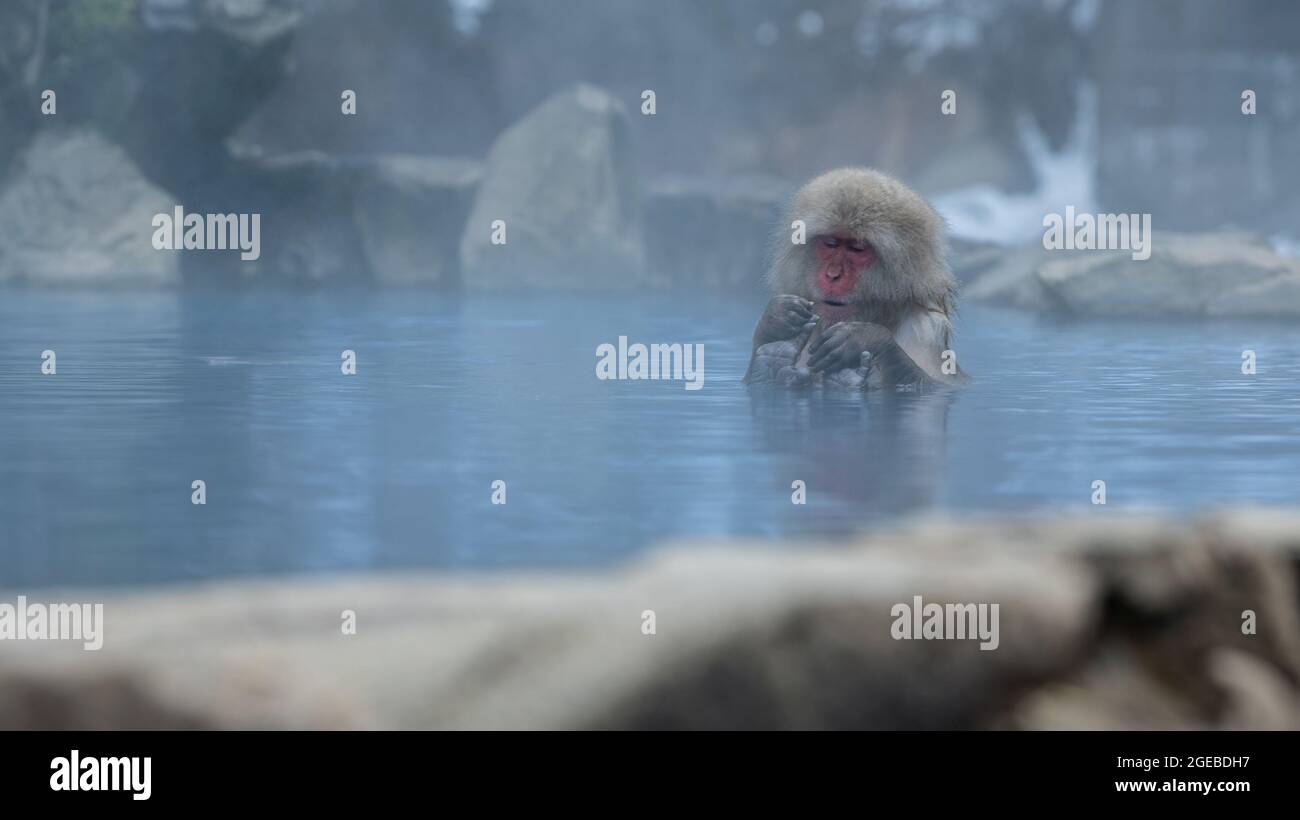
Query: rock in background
(76, 211)
(423, 87)
(411, 211)
(563, 181)
(713, 232)
(1124, 622)
(202, 68)
(775, 86)
(331, 220)
(1188, 276)
(193, 88)
(309, 235)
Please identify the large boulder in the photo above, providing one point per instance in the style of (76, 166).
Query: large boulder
(411, 211)
(1008, 277)
(251, 23)
(970, 259)
(391, 219)
(76, 211)
(1188, 275)
(712, 232)
(203, 68)
(1103, 622)
(430, 76)
(308, 233)
(562, 180)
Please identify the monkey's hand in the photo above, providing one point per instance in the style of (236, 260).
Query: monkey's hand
(784, 318)
(842, 345)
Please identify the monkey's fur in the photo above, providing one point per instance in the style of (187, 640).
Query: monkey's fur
(899, 310)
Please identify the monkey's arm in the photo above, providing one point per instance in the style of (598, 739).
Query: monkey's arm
(912, 356)
(785, 317)
(923, 338)
(897, 368)
(842, 344)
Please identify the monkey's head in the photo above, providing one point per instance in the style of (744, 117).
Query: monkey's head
(872, 248)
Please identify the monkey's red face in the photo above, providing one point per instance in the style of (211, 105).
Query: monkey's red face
(841, 263)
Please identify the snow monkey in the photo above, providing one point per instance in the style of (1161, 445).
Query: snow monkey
(863, 294)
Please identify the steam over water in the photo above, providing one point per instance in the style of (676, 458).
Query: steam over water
(310, 470)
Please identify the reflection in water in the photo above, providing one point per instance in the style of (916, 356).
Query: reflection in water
(898, 444)
(310, 470)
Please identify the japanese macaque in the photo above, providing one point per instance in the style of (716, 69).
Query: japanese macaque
(865, 299)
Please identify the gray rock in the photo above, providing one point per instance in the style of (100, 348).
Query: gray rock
(1104, 622)
(1010, 280)
(743, 638)
(1174, 650)
(411, 212)
(970, 260)
(309, 233)
(563, 181)
(432, 92)
(77, 211)
(393, 219)
(231, 55)
(712, 232)
(252, 23)
(1188, 275)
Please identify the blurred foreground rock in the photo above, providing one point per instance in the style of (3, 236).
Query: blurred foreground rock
(562, 179)
(1125, 623)
(1221, 274)
(77, 211)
